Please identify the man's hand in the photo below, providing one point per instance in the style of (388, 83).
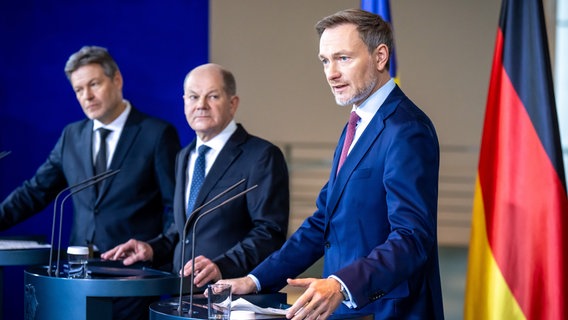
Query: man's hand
(130, 252)
(320, 299)
(205, 271)
(244, 285)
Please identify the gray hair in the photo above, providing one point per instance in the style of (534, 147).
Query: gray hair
(229, 82)
(88, 55)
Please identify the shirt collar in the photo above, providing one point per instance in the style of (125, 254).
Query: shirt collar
(218, 142)
(366, 111)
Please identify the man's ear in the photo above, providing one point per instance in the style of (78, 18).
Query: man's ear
(381, 56)
(234, 100)
(117, 79)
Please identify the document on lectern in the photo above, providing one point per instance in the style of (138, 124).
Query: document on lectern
(22, 244)
(260, 313)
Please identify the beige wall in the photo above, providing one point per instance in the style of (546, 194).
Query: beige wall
(271, 46)
(444, 48)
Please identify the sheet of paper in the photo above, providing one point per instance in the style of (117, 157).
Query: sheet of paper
(242, 304)
(21, 244)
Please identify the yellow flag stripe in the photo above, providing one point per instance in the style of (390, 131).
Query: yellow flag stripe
(487, 294)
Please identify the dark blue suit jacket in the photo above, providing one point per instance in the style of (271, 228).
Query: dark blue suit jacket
(375, 222)
(131, 204)
(244, 232)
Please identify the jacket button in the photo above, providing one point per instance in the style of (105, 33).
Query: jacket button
(327, 245)
(377, 295)
(186, 241)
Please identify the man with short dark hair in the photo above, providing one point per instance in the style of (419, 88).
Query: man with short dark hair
(134, 203)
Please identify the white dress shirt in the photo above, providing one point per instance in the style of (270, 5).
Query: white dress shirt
(112, 139)
(216, 144)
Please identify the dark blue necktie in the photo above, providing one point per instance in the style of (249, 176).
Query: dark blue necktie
(101, 159)
(198, 178)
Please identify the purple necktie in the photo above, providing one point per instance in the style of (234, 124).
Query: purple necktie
(353, 119)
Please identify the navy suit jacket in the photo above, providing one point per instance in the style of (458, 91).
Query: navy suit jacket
(132, 204)
(244, 232)
(375, 222)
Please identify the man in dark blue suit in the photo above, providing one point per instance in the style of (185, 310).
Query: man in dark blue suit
(232, 240)
(375, 222)
(134, 203)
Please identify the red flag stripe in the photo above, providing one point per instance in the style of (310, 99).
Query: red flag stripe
(514, 167)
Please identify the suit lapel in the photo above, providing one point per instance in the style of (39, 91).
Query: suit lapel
(126, 141)
(226, 157)
(84, 144)
(85, 150)
(181, 182)
(336, 155)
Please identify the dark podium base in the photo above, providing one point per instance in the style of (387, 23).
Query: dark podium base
(50, 297)
(19, 257)
(168, 309)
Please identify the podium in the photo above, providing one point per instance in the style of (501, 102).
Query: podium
(19, 257)
(24, 257)
(50, 297)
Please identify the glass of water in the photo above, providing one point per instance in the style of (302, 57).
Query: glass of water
(219, 301)
(77, 258)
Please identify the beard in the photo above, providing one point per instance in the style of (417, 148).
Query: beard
(359, 96)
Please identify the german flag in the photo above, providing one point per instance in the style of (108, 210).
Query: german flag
(518, 253)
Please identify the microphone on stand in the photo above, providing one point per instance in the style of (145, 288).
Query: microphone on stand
(4, 153)
(193, 242)
(77, 188)
(184, 235)
(193, 239)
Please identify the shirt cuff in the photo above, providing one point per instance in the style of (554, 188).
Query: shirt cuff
(349, 302)
(256, 282)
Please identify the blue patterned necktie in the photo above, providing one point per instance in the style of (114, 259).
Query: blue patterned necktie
(198, 177)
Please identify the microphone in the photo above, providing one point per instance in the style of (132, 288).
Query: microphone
(193, 239)
(4, 154)
(74, 189)
(197, 210)
(193, 243)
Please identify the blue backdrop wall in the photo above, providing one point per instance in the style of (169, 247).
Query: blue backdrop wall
(154, 43)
